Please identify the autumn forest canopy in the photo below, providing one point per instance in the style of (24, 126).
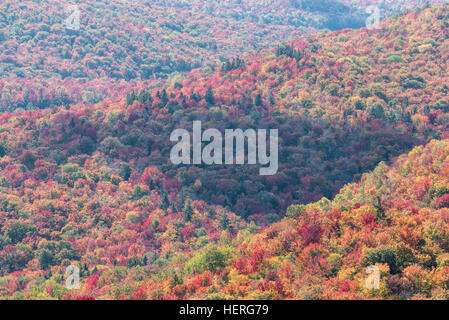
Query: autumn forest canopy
(86, 179)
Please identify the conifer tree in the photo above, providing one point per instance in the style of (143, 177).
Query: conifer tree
(188, 211)
(164, 201)
(209, 97)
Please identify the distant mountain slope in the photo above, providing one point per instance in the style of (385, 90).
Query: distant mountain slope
(120, 44)
(124, 44)
(389, 7)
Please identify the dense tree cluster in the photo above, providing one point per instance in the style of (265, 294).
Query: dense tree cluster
(93, 186)
(396, 218)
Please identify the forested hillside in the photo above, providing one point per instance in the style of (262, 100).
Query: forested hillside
(93, 185)
(342, 103)
(395, 218)
(119, 45)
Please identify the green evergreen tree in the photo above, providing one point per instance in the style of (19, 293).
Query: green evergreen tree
(164, 201)
(224, 222)
(188, 211)
(209, 97)
(164, 97)
(258, 100)
(181, 201)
